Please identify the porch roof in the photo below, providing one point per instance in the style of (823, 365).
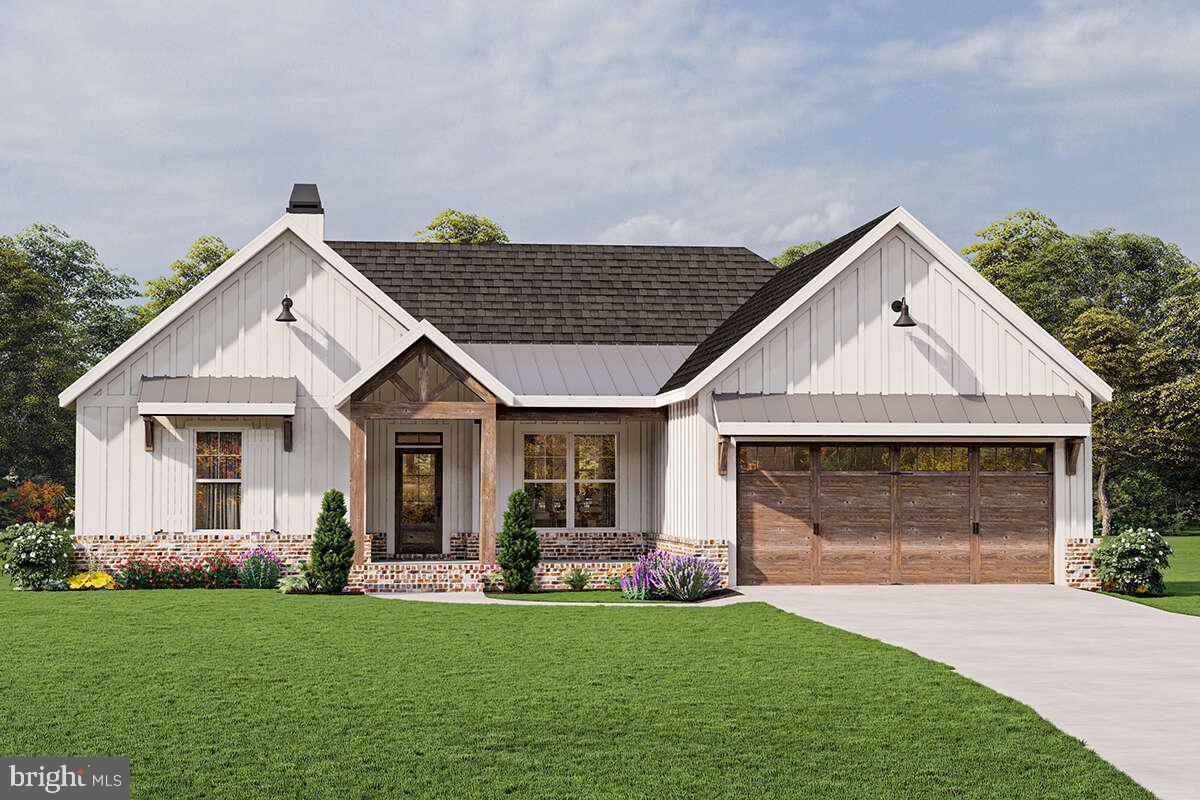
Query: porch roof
(214, 395)
(901, 415)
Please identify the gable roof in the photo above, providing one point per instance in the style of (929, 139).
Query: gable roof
(785, 283)
(563, 294)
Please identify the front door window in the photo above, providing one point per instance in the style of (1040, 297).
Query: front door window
(418, 500)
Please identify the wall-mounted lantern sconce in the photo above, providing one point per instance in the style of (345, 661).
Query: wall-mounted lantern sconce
(286, 315)
(904, 321)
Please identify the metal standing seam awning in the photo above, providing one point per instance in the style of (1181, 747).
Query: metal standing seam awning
(901, 415)
(217, 396)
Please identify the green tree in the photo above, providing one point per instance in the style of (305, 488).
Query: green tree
(459, 227)
(202, 259)
(1129, 306)
(96, 296)
(795, 253)
(518, 541)
(332, 553)
(39, 357)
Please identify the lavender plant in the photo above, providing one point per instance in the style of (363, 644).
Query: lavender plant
(686, 578)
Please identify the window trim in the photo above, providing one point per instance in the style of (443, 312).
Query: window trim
(241, 482)
(571, 480)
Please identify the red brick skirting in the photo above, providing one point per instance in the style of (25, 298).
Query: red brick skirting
(600, 553)
(1081, 572)
(103, 551)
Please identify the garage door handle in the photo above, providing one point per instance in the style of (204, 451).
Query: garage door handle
(975, 528)
(816, 529)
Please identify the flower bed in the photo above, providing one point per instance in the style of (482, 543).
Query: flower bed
(258, 569)
(660, 575)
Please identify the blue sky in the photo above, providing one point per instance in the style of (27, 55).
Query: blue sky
(759, 123)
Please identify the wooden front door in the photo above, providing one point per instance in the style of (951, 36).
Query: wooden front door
(418, 500)
(910, 513)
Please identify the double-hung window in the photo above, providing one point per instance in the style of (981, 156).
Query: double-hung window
(218, 480)
(571, 479)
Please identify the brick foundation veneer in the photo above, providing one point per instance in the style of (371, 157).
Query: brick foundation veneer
(566, 545)
(102, 551)
(465, 576)
(1081, 572)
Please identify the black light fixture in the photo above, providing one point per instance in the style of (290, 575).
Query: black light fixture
(286, 315)
(904, 321)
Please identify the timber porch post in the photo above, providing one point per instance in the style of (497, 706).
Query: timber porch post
(487, 485)
(358, 484)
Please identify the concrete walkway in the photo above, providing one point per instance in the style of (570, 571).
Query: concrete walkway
(480, 597)
(1123, 677)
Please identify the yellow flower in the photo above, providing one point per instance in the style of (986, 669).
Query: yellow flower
(90, 580)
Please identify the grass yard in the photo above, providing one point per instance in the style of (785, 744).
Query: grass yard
(1182, 579)
(249, 694)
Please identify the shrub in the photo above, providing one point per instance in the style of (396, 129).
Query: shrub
(136, 573)
(686, 578)
(32, 501)
(38, 555)
(332, 553)
(490, 581)
(218, 572)
(1132, 562)
(577, 579)
(1139, 499)
(91, 580)
(294, 584)
(518, 541)
(260, 569)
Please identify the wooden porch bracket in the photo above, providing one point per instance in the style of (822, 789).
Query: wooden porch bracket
(149, 442)
(1073, 448)
(287, 435)
(722, 455)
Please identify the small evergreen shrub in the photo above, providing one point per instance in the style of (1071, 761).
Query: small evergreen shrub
(518, 542)
(38, 555)
(1132, 562)
(260, 569)
(332, 553)
(577, 579)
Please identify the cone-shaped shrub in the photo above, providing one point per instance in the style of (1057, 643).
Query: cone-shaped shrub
(332, 552)
(518, 541)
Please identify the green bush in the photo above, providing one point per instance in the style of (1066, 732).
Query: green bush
(577, 578)
(518, 542)
(1132, 562)
(1140, 499)
(332, 553)
(38, 555)
(260, 569)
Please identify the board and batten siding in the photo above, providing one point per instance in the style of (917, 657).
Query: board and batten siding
(122, 489)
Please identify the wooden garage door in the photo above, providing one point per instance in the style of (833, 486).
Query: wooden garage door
(934, 514)
(909, 513)
(774, 514)
(854, 495)
(1016, 515)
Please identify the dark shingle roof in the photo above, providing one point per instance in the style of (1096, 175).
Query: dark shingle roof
(769, 297)
(563, 294)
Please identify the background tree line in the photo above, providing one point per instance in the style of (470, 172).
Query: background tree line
(1127, 304)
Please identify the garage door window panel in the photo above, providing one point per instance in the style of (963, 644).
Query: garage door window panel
(856, 458)
(933, 458)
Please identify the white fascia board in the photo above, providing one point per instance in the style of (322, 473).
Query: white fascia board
(944, 255)
(965, 430)
(217, 409)
(218, 276)
(419, 330)
(586, 401)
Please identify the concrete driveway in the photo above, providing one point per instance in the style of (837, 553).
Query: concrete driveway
(1123, 677)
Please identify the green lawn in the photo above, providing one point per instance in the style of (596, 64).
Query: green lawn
(250, 694)
(1182, 579)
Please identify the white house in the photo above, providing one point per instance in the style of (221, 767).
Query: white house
(875, 412)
